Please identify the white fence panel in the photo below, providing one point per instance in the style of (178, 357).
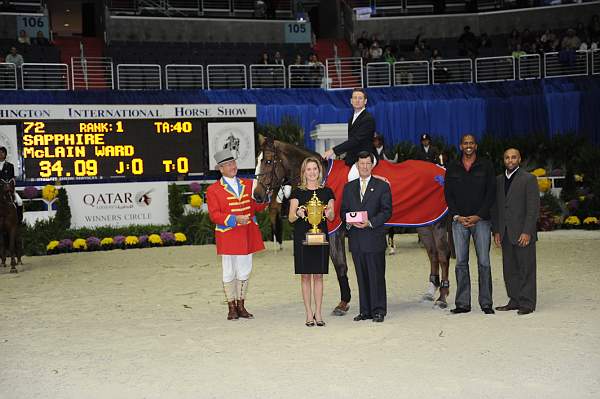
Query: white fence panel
(344, 73)
(45, 76)
(452, 71)
(267, 76)
(565, 63)
(379, 74)
(216, 5)
(595, 62)
(92, 73)
(184, 77)
(494, 69)
(411, 73)
(530, 66)
(139, 77)
(221, 76)
(8, 76)
(306, 76)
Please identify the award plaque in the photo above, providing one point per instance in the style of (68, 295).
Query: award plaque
(314, 216)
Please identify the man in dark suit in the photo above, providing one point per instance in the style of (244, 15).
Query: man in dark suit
(361, 129)
(367, 238)
(427, 152)
(514, 219)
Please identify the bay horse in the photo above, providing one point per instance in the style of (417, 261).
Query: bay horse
(280, 165)
(9, 223)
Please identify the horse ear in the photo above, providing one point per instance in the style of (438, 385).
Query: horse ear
(12, 183)
(261, 139)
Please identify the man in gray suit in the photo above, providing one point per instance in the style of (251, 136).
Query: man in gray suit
(514, 219)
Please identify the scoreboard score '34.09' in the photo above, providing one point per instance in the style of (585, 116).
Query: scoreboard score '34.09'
(71, 149)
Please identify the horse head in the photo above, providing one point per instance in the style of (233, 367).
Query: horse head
(271, 173)
(6, 191)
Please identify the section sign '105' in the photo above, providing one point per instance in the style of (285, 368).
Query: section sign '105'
(69, 149)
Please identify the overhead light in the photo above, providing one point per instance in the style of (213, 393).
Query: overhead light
(68, 10)
(66, 25)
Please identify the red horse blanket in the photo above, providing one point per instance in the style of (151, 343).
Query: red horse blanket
(417, 191)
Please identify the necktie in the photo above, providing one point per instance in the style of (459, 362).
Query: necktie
(363, 188)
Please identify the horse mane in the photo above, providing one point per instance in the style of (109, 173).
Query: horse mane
(294, 155)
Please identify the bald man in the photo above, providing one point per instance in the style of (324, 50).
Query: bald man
(514, 224)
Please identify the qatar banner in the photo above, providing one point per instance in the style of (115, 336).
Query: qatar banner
(120, 204)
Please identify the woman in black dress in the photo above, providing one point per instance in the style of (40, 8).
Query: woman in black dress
(310, 261)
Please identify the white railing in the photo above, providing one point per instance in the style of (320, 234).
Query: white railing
(411, 73)
(216, 5)
(418, 6)
(305, 76)
(92, 73)
(388, 5)
(595, 55)
(45, 76)
(244, 6)
(379, 74)
(344, 73)
(530, 66)
(8, 76)
(452, 71)
(494, 69)
(139, 77)
(267, 76)
(565, 63)
(184, 77)
(226, 76)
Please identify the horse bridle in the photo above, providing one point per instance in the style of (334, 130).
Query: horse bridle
(273, 175)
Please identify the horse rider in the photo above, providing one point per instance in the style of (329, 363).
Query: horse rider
(7, 172)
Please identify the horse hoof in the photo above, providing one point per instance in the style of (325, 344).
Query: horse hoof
(441, 304)
(392, 251)
(14, 271)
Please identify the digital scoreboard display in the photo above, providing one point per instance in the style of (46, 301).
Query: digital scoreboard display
(71, 149)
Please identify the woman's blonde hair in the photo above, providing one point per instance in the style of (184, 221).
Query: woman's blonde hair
(303, 168)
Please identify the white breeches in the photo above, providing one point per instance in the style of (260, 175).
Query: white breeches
(236, 267)
(18, 199)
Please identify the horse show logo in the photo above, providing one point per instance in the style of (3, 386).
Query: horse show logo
(118, 200)
(232, 139)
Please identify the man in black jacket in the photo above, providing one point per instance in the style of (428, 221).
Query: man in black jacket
(427, 152)
(470, 192)
(361, 129)
(7, 172)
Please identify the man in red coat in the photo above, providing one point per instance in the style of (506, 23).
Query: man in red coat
(231, 208)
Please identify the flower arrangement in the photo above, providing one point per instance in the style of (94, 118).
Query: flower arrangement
(49, 192)
(195, 187)
(572, 221)
(165, 238)
(591, 223)
(30, 192)
(539, 172)
(196, 200)
(578, 178)
(544, 184)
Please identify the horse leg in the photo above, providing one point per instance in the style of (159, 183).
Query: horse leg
(275, 219)
(443, 254)
(337, 253)
(426, 237)
(19, 246)
(11, 247)
(390, 240)
(3, 248)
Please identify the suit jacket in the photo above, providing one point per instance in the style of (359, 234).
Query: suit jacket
(360, 138)
(377, 201)
(7, 172)
(431, 156)
(516, 212)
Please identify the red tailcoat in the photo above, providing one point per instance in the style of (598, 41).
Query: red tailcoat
(223, 206)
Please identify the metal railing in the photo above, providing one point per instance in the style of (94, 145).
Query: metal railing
(92, 73)
(452, 71)
(8, 76)
(565, 63)
(411, 73)
(184, 77)
(224, 76)
(379, 74)
(530, 66)
(44, 76)
(267, 76)
(595, 55)
(344, 73)
(305, 76)
(494, 69)
(139, 77)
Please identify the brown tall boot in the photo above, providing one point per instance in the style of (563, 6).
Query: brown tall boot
(241, 310)
(233, 314)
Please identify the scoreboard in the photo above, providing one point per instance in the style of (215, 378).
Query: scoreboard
(141, 142)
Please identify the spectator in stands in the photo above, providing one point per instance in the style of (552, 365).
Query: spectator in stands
(570, 41)
(388, 56)
(7, 7)
(594, 28)
(298, 60)
(417, 54)
(435, 55)
(14, 57)
(316, 72)
(358, 50)
(467, 43)
(364, 40)
(375, 52)
(527, 39)
(549, 41)
(580, 30)
(24, 38)
(264, 59)
(513, 40)
(277, 59)
(485, 41)
(518, 51)
(40, 39)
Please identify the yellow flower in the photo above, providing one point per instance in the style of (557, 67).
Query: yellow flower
(539, 172)
(578, 178)
(80, 244)
(544, 184)
(180, 237)
(106, 241)
(131, 240)
(196, 200)
(52, 245)
(154, 239)
(572, 220)
(49, 192)
(590, 220)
